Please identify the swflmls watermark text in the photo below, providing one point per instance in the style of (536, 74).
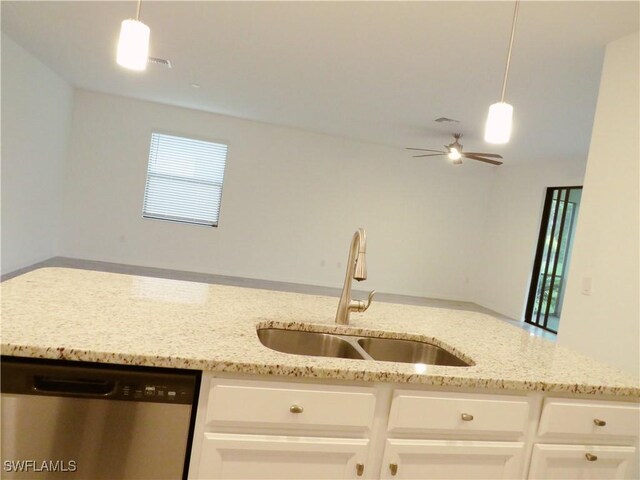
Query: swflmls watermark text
(63, 466)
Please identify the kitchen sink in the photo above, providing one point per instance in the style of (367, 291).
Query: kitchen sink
(299, 342)
(307, 343)
(409, 351)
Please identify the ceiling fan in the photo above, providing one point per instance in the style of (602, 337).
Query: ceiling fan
(455, 153)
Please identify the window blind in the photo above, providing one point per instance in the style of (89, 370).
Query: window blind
(184, 180)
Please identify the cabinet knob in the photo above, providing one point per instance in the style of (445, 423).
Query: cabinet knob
(466, 417)
(393, 468)
(359, 469)
(599, 423)
(591, 457)
(296, 409)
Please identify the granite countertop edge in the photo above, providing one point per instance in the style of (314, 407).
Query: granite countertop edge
(312, 372)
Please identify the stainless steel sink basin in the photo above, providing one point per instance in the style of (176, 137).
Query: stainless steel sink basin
(409, 351)
(307, 343)
(317, 344)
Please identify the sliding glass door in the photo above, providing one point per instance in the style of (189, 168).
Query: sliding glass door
(548, 280)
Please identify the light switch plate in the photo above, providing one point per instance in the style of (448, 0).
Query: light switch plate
(586, 286)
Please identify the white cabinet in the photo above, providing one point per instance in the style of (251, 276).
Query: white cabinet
(582, 426)
(460, 415)
(453, 436)
(568, 462)
(271, 430)
(290, 407)
(254, 429)
(595, 419)
(448, 459)
(281, 457)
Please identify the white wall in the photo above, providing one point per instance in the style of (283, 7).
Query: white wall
(36, 119)
(606, 324)
(291, 201)
(511, 231)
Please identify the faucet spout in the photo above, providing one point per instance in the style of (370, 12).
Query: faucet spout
(356, 270)
(360, 260)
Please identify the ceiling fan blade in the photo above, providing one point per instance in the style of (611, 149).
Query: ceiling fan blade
(425, 150)
(486, 160)
(490, 155)
(429, 155)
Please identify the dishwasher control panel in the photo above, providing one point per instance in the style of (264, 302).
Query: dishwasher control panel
(51, 378)
(156, 392)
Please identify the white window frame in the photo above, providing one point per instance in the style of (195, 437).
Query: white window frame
(153, 195)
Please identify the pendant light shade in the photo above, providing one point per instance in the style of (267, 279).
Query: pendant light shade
(498, 127)
(133, 45)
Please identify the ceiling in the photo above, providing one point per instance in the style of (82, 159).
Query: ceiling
(374, 71)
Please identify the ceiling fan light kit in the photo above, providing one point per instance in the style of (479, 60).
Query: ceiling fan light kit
(455, 153)
(499, 120)
(133, 44)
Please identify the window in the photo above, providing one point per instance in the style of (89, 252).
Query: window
(184, 180)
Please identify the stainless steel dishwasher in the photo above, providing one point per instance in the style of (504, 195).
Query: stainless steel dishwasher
(65, 420)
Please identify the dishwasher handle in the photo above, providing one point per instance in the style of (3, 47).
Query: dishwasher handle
(73, 386)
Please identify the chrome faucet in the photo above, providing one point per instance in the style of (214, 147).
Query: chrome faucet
(356, 269)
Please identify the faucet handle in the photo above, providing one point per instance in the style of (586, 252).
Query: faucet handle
(371, 294)
(360, 305)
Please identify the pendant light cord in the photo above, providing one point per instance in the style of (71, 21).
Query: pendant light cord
(513, 33)
(140, 5)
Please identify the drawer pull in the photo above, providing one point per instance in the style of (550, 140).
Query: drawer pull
(466, 417)
(393, 467)
(599, 423)
(590, 457)
(359, 469)
(296, 409)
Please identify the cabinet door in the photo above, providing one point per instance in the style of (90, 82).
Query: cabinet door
(446, 459)
(582, 462)
(279, 457)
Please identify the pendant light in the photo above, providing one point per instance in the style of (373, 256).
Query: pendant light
(498, 126)
(133, 45)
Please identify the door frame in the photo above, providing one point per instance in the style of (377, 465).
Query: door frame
(537, 262)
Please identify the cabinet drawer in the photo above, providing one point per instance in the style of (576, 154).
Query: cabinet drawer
(307, 407)
(571, 417)
(458, 414)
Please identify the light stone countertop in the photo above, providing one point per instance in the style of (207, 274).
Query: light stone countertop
(71, 314)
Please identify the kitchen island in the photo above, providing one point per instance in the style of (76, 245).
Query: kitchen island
(374, 419)
(91, 316)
